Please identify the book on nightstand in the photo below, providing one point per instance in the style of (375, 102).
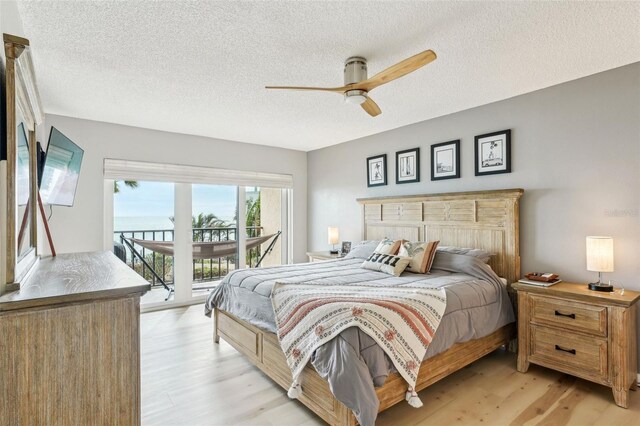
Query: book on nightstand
(540, 283)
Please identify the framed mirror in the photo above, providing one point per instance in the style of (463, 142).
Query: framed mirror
(25, 241)
(23, 114)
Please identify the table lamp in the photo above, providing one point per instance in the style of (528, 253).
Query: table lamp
(334, 238)
(600, 259)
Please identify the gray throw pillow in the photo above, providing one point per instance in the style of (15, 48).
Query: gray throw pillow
(483, 255)
(363, 249)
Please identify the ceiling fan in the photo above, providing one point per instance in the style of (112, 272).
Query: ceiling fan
(357, 86)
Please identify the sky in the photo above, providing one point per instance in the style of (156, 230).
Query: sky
(155, 199)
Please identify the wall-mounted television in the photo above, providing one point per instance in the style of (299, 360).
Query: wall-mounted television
(61, 170)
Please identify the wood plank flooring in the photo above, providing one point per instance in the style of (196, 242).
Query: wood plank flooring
(188, 380)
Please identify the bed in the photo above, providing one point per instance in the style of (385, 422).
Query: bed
(487, 220)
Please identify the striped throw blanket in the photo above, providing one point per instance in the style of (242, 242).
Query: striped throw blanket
(402, 320)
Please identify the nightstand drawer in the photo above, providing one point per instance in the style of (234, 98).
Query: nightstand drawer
(569, 315)
(565, 351)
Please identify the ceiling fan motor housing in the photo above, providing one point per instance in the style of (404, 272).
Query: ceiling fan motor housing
(355, 71)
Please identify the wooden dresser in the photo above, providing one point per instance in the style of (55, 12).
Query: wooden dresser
(584, 333)
(70, 343)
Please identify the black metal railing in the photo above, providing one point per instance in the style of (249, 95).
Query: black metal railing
(203, 269)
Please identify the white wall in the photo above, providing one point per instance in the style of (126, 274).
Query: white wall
(10, 21)
(80, 228)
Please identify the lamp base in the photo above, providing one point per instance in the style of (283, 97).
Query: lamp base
(600, 287)
(333, 251)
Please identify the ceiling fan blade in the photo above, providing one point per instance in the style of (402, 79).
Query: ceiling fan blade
(323, 89)
(396, 71)
(371, 107)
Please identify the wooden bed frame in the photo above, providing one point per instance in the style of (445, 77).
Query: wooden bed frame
(486, 219)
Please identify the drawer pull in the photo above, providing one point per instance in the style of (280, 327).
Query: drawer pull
(571, 351)
(560, 314)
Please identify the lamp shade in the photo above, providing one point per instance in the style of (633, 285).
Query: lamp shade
(600, 254)
(334, 237)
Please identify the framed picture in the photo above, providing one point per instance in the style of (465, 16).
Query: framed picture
(493, 153)
(377, 170)
(408, 166)
(445, 160)
(346, 247)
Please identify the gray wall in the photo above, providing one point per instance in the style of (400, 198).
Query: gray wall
(80, 228)
(575, 151)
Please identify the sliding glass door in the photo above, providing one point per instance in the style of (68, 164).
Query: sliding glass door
(184, 238)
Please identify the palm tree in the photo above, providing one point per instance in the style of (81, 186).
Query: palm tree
(253, 227)
(208, 220)
(253, 213)
(133, 184)
(205, 221)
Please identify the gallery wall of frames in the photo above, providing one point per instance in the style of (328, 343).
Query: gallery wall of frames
(492, 156)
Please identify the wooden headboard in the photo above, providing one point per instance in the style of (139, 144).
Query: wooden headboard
(488, 220)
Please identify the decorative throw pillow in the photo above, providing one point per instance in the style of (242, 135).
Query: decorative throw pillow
(421, 254)
(387, 263)
(388, 246)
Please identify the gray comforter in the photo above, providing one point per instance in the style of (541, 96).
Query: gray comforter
(352, 363)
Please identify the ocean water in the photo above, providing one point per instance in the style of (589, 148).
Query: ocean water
(141, 223)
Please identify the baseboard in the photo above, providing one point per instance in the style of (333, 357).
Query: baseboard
(160, 306)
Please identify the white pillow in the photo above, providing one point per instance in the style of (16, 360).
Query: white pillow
(387, 263)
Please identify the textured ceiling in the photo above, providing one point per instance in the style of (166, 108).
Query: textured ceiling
(201, 67)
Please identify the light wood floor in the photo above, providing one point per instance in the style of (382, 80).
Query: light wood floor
(189, 380)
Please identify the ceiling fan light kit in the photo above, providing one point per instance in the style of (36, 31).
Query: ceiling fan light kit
(356, 97)
(357, 85)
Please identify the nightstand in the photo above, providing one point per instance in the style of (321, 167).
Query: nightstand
(316, 256)
(588, 334)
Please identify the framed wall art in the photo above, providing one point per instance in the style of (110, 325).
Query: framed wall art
(408, 166)
(445, 160)
(377, 170)
(493, 153)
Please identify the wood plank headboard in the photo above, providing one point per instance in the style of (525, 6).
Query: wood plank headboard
(488, 220)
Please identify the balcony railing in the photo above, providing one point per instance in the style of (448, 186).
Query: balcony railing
(204, 270)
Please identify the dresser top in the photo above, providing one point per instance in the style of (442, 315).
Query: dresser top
(582, 292)
(75, 277)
